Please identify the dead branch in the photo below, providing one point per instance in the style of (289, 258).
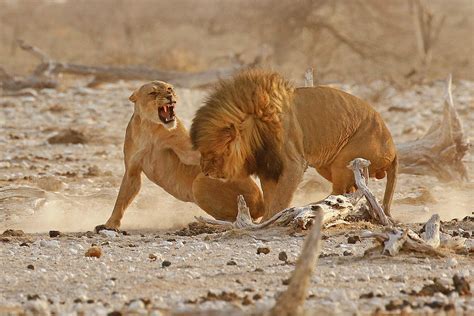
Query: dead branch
(440, 152)
(395, 240)
(291, 302)
(358, 166)
(334, 208)
(50, 67)
(308, 78)
(427, 29)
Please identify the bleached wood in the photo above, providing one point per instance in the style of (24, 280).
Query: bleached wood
(431, 233)
(291, 302)
(358, 166)
(395, 242)
(440, 152)
(50, 67)
(309, 78)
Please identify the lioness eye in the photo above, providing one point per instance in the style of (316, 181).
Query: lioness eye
(153, 93)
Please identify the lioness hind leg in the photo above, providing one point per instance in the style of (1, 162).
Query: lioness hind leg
(219, 199)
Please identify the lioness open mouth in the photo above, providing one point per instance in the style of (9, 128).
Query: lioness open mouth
(166, 113)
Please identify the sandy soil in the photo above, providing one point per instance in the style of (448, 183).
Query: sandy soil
(79, 183)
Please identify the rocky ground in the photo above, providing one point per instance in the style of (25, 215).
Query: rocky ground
(60, 168)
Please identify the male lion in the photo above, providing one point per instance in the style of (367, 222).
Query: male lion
(157, 144)
(258, 123)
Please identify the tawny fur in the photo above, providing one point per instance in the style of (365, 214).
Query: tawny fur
(163, 152)
(258, 123)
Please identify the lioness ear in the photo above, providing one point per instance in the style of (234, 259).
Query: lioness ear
(134, 96)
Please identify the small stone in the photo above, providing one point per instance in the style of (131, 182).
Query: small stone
(353, 239)
(13, 233)
(258, 270)
(347, 253)
(30, 267)
(95, 252)
(264, 250)
(246, 301)
(108, 233)
(49, 243)
(286, 281)
(24, 244)
(54, 233)
(461, 285)
(231, 263)
(136, 305)
(257, 297)
(49, 183)
(165, 263)
(452, 262)
(152, 257)
(282, 256)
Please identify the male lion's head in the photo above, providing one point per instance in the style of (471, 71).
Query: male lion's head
(239, 129)
(155, 101)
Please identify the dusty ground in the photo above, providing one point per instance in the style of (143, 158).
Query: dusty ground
(80, 182)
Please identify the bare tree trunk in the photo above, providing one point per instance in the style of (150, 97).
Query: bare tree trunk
(440, 152)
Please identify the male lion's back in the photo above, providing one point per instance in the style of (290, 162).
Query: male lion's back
(331, 118)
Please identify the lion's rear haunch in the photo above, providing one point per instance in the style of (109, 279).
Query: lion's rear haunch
(241, 122)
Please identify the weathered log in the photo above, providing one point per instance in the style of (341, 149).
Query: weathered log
(49, 67)
(440, 152)
(334, 207)
(16, 83)
(395, 240)
(291, 302)
(358, 166)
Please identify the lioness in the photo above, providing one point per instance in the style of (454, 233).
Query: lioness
(157, 144)
(258, 123)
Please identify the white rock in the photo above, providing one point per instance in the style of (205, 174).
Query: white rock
(50, 243)
(136, 305)
(108, 233)
(452, 262)
(37, 307)
(73, 251)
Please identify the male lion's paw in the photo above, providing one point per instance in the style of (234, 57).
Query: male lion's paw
(98, 228)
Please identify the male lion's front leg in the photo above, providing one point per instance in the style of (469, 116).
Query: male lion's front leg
(277, 195)
(129, 188)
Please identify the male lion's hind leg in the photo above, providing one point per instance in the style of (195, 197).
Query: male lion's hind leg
(219, 199)
(129, 188)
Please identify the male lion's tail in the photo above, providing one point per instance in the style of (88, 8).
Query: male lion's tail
(390, 187)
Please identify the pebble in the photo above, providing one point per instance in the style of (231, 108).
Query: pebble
(452, 262)
(136, 305)
(231, 263)
(353, 239)
(165, 263)
(264, 250)
(108, 233)
(54, 233)
(30, 267)
(282, 256)
(95, 252)
(50, 243)
(13, 233)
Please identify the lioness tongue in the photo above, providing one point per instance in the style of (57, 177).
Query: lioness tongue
(165, 109)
